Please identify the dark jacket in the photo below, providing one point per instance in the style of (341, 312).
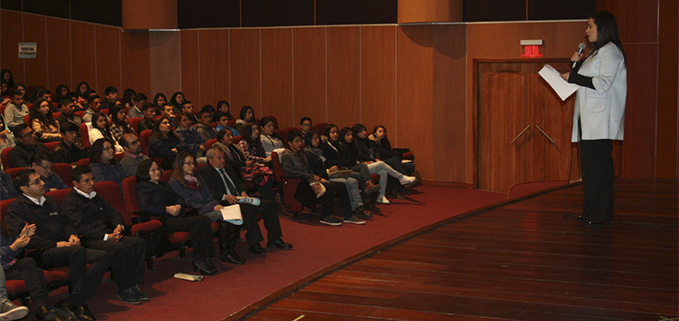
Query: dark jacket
(201, 201)
(234, 156)
(296, 165)
(7, 189)
(51, 225)
(108, 172)
(144, 124)
(190, 137)
(92, 218)
(153, 198)
(65, 154)
(7, 255)
(316, 164)
(20, 155)
(215, 183)
(335, 156)
(53, 181)
(160, 146)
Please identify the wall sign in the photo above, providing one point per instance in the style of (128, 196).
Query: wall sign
(28, 50)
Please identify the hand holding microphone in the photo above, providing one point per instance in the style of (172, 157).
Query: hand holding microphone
(578, 55)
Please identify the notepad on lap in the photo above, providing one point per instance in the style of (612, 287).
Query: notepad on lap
(232, 214)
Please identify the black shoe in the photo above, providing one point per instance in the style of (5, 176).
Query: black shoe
(230, 258)
(66, 307)
(594, 225)
(256, 249)
(128, 296)
(83, 313)
(203, 267)
(141, 295)
(279, 244)
(44, 314)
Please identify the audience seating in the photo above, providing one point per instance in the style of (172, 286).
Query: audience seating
(51, 145)
(85, 134)
(63, 170)
(27, 120)
(84, 162)
(13, 171)
(236, 140)
(287, 186)
(209, 143)
(2, 109)
(134, 122)
(144, 137)
(56, 114)
(320, 128)
(80, 113)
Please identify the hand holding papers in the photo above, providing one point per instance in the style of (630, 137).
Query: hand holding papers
(560, 86)
(232, 214)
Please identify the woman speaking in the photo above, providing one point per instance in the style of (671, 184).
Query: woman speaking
(599, 114)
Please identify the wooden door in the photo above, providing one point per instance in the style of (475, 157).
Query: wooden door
(523, 127)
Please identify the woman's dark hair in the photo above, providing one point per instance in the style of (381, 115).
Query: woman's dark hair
(96, 117)
(10, 83)
(143, 170)
(208, 108)
(98, 148)
(156, 97)
(82, 94)
(173, 100)
(128, 95)
(328, 128)
(113, 112)
(606, 31)
(222, 133)
(294, 134)
(182, 115)
(264, 121)
(358, 128)
(244, 112)
(309, 137)
(45, 119)
(343, 133)
(178, 171)
(220, 113)
(57, 93)
(247, 136)
(378, 127)
(156, 126)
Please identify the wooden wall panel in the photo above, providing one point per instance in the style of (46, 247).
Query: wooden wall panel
(378, 78)
(11, 37)
(134, 55)
(449, 109)
(667, 158)
(36, 69)
(344, 75)
(245, 70)
(166, 56)
(640, 114)
(190, 68)
(83, 66)
(59, 52)
(277, 75)
(108, 58)
(637, 19)
(214, 67)
(414, 109)
(309, 74)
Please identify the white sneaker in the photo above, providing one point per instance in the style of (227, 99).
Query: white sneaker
(407, 180)
(382, 200)
(9, 311)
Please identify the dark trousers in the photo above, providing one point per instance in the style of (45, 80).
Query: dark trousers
(25, 269)
(267, 211)
(84, 281)
(200, 233)
(127, 259)
(331, 189)
(597, 179)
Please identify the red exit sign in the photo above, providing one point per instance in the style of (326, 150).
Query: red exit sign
(531, 52)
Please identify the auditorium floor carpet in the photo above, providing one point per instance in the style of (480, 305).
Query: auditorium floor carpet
(316, 247)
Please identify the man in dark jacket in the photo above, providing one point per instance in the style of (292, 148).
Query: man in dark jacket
(70, 148)
(225, 186)
(56, 242)
(100, 227)
(27, 145)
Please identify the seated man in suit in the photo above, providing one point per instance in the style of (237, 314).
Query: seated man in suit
(100, 227)
(225, 186)
(27, 145)
(56, 242)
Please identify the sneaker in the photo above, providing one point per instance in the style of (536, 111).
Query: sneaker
(361, 213)
(128, 296)
(383, 200)
(331, 220)
(9, 311)
(141, 295)
(354, 220)
(407, 180)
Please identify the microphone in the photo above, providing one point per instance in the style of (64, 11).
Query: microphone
(581, 47)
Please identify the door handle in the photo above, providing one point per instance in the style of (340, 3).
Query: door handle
(546, 136)
(520, 134)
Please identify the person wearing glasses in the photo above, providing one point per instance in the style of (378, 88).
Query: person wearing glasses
(27, 145)
(305, 124)
(42, 164)
(133, 153)
(103, 163)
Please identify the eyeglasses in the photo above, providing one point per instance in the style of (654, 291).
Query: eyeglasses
(190, 163)
(108, 148)
(35, 182)
(31, 133)
(46, 167)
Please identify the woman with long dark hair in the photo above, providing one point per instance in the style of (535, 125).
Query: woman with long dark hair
(44, 125)
(157, 199)
(163, 142)
(192, 188)
(61, 93)
(81, 91)
(177, 100)
(99, 128)
(128, 96)
(599, 114)
(119, 122)
(103, 163)
(247, 116)
(251, 145)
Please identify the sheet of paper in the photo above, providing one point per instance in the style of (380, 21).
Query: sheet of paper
(560, 86)
(232, 214)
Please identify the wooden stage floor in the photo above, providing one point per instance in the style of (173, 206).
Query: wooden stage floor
(528, 260)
